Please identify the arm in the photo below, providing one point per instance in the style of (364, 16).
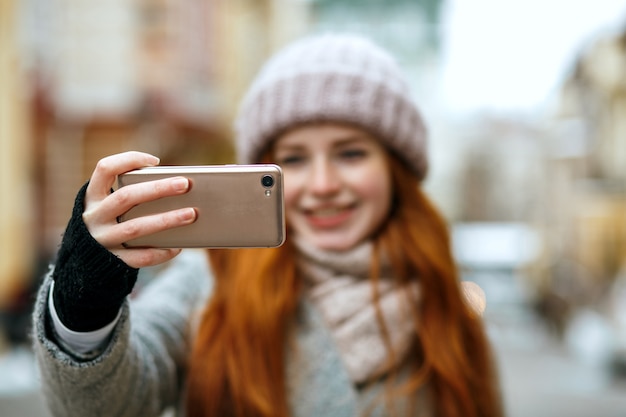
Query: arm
(141, 369)
(93, 275)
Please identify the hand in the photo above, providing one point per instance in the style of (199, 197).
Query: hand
(102, 208)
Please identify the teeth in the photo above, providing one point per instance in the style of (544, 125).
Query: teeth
(326, 212)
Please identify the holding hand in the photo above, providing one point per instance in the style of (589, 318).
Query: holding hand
(102, 208)
(94, 272)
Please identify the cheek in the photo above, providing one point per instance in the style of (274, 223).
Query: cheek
(375, 186)
(291, 190)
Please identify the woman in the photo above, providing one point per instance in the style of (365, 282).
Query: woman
(360, 312)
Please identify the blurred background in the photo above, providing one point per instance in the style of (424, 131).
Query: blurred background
(526, 106)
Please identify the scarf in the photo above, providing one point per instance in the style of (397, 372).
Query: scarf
(338, 285)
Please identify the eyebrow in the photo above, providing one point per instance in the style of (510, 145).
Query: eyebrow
(351, 139)
(341, 141)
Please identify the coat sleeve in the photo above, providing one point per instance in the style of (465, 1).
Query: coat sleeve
(142, 369)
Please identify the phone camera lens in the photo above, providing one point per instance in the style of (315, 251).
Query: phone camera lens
(267, 181)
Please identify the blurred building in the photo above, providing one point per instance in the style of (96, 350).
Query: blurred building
(16, 204)
(159, 76)
(583, 216)
(562, 176)
(593, 120)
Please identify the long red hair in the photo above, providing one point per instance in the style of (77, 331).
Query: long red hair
(237, 364)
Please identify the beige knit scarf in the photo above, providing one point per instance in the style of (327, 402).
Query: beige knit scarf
(338, 285)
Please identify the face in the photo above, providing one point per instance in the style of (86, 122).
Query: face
(337, 184)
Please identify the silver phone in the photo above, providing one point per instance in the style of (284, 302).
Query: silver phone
(238, 206)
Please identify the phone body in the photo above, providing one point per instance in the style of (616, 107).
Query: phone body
(238, 206)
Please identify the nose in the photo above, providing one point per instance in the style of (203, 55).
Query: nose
(324, 178)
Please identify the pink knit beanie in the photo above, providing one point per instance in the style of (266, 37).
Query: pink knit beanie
(337, 78)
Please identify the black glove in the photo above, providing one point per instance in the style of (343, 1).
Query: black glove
(90, 283)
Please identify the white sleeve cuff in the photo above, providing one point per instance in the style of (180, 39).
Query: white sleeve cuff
(79, 342)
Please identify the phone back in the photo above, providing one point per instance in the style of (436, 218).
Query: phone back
(236, 206)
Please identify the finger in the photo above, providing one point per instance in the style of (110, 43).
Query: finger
(107, 169)
(115, 236)
(141, 258)
(127, 197)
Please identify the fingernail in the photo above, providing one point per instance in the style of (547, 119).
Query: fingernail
(180, 184)
(188, 214)
(155, 160)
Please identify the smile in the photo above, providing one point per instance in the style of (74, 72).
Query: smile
(329, 217)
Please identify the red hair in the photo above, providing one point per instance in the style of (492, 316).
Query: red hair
(237, 364)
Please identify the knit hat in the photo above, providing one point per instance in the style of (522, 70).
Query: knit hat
(336, 78)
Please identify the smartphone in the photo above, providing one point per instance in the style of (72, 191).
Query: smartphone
(238, 206)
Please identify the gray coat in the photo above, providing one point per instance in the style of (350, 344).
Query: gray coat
(141, 372)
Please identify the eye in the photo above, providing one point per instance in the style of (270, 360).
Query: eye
(352, 153)
(290, 160)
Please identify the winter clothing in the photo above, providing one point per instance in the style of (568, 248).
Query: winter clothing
(341, 78)
(142, 370)
(84, 302)
(339, 286)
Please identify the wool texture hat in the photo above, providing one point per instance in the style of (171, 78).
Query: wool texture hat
(335, 78)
